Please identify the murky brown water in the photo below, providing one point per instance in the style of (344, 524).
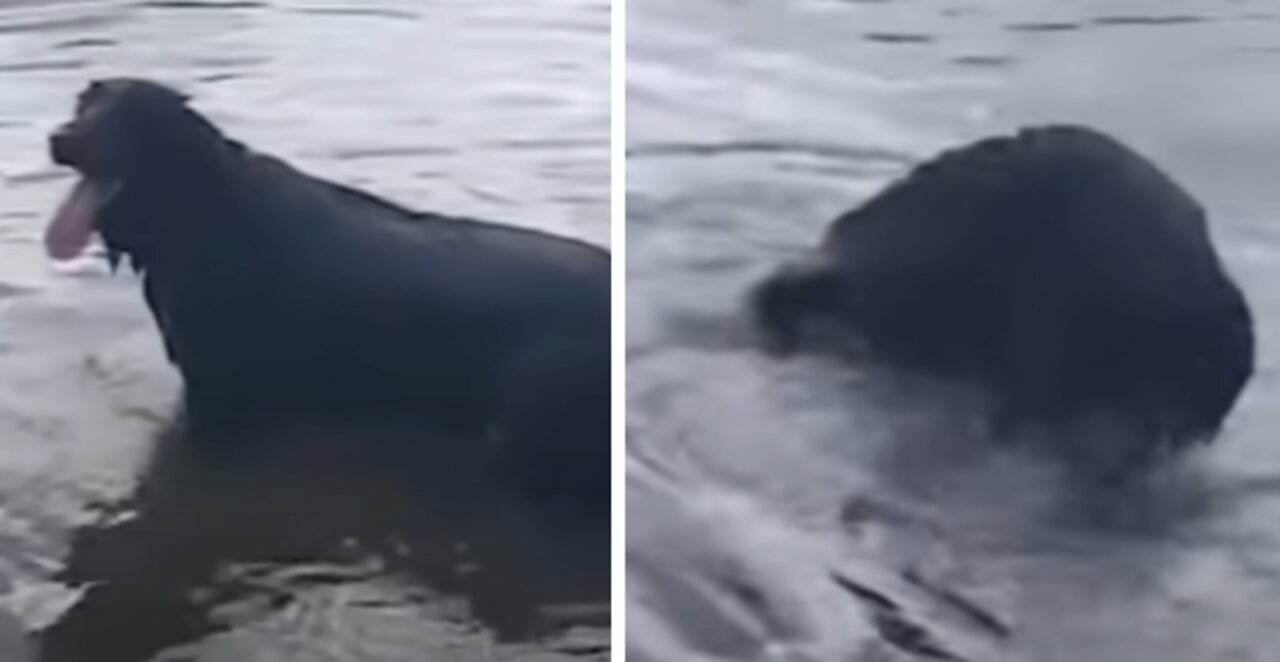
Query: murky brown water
(753, 483)
(119, 544)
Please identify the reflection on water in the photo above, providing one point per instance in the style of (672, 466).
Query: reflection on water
(795, 510)
(310, 526)
(120, 540)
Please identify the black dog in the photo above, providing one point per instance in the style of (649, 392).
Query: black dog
(279, 292)
(1056, 266)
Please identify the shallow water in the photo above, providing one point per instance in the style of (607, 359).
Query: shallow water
(117, 542)
(796, 510)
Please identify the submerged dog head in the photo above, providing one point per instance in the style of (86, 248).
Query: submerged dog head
(125, 134)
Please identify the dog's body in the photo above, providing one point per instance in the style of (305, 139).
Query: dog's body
(279, 292)
(1057, 266)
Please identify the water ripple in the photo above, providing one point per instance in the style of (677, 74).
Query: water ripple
(354, 153)
(202, 4)
(768, 147)
(983, 60)
(1148, 20)
(1043, 26)
(42, 65)
(898, 38)
(360, 11)
(86, 42)
(29, 22)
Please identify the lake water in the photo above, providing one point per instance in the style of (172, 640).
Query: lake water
(118, 545)
(797, 510)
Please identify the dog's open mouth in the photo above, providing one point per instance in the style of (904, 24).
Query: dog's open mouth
(74, 223)
(76, 220)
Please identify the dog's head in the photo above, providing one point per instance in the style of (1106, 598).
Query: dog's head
(126, 135)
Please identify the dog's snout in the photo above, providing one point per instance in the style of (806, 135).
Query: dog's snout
(62, 146)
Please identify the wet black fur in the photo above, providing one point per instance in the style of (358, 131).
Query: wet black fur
(277, 292)
(1057, 266)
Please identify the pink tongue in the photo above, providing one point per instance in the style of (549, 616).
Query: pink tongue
(73, 224)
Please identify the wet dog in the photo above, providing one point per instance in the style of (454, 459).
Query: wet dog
(279, 293)
(1056, 266)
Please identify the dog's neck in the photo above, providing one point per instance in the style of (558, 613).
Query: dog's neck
(155, 209)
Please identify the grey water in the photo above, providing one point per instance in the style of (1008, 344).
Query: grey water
(799, 510)
(116, 544)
